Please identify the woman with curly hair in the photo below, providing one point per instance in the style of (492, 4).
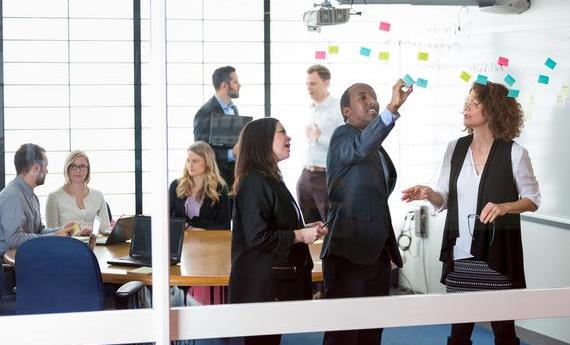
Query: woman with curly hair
(201, 194)
(486, 181)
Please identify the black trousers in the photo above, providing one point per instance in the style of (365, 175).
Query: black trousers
(312, 195)
(504, 332)
(273, 339)
(343, 278)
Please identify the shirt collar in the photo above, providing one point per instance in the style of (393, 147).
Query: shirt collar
(324, 103)
(29, 191)
(225, 106)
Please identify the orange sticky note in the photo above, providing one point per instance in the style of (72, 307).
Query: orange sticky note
(320, 55)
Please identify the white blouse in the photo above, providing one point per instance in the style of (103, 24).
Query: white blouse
(61, 208)
(468, 189)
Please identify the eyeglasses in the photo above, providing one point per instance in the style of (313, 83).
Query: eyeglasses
(471, 102)
(473, 220)
(78, 167)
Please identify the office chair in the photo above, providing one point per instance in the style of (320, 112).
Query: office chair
(7, 298)
(61, 274)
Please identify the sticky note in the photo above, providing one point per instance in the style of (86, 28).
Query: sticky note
(385, 26)
(384, 56)
(408, 80)
(333, 49)
(422, 83)
(503, 61)
(465, 76)
(320, 55)
(513, 93)
(423, 56)
(481, 79)
(543, 79)
(509, 79)
(550, 63)
(364, 51)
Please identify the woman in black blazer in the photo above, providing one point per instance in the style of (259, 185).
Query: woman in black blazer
(270, 257)
(201, 194)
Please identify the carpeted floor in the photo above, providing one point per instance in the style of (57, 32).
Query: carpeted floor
(420, 335)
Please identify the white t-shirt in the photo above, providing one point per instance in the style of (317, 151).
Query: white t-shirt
(468, 190)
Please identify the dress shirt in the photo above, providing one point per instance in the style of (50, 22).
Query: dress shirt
(468, 189)
(20, 218)
(229, 109)
(328, 117)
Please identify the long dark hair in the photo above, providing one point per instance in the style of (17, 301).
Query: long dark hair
(255, 151)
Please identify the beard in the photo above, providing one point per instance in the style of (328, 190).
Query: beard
(40, 179)
(233, 93)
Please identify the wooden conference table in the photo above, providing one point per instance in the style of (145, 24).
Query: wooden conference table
(205, 261)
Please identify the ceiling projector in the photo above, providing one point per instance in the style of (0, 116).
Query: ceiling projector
(326, 15)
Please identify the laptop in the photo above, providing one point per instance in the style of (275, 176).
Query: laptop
(121, 232)
(225, 130)
(92, 238)
(140, 253)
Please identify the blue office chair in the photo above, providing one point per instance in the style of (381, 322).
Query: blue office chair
(61, 274)
(7, 298)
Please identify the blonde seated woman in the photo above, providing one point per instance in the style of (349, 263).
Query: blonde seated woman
(75, 201)
(200, 196)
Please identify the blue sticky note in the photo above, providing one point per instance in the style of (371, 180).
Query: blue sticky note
(408, 80)
(422, 83)
(550, 63)
(364, 51)
(509, 79)
(543, 79)
(481, 79)
(513, 93)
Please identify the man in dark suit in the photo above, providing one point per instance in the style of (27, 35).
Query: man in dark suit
(227, 87)
(360, 244)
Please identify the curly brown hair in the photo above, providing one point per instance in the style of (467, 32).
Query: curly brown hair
(506, 118)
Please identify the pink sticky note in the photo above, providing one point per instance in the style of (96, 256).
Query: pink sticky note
(503, 61)
(320, 55)
(384, 26)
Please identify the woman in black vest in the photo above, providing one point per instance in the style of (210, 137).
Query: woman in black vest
(486, 181)
(270, 257)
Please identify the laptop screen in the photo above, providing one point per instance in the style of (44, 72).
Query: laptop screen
(225, 130)
(141, 244)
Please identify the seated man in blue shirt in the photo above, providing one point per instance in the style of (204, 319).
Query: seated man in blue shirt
(20, 218)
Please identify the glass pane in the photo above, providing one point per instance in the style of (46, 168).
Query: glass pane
(34, 8)
(35, 51)
(233, 10)
(184, 9)
(102, 139)
(30, 95)
(184, 30)
(91, 73)
(102, 117)
(186, 73)
(250, 31)
(100, 9)
(49, 139)
(35, 73)
(101, 29)
(34, 118)
(35, 29)
(102, 95)
(101, 52)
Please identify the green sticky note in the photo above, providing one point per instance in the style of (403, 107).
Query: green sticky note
(550, 63)
(465, 76)
(482, 79)
(384, 56)
(408, 80)
(509, 79)
(423, 56)
(543, 79)
(422, 82)
(513, 93)
(333, 49)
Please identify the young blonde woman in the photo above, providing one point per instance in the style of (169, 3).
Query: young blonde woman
(75, 201)
(200, 195)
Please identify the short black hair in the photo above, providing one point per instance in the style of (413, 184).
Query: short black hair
(222, 74)
(345, 100)
(28, 155)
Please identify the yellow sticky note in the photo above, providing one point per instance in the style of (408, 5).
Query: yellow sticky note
(465, 76)
(333, 49)
(423, 56)
(384, 56)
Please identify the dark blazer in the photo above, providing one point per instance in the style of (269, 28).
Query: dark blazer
(212, 217)
(202, 124)
(266, 263)
(360, 226)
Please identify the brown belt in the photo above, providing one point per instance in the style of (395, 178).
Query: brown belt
(314, 168)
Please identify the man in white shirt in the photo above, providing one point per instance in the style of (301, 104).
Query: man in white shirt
(324, 118)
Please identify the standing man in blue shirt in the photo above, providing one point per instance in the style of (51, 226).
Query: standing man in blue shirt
(20, 218)
(323, 117)
(360, 243)
(227, 87)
